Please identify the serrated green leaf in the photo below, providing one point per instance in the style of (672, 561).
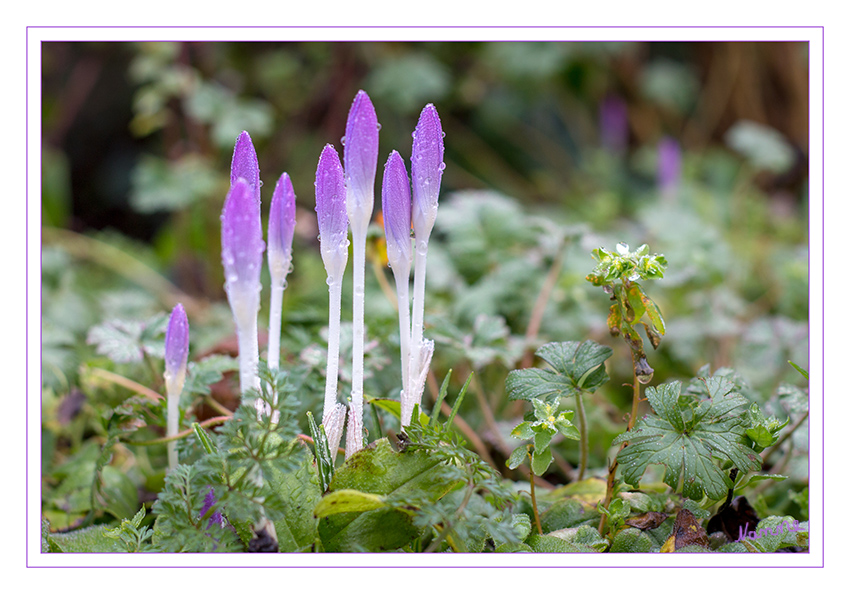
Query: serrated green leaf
(687, 448)
(300, 492)
(542, 438)
(208, 371)
(575, 366)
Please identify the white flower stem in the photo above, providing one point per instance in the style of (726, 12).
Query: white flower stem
(402, 284)
(274, 324)
(249, 354)
(418, 312)
(359, 330)
(334, 311)
(173, 387)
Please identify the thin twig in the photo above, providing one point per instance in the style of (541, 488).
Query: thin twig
(126, 383)
(536, 318)
(208, 423)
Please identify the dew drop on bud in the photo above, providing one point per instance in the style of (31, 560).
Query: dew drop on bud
(379, 125)
(342, 140)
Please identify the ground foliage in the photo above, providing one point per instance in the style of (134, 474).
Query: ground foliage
(720, 443)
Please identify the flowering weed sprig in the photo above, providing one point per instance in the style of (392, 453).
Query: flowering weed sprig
(176, 357)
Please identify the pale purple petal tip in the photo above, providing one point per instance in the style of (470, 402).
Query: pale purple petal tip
(396, 204)
(177, 340)
(669, 164)
(427, 167)
(281, 225)
(330, 198)
(241, 236)
(245, 165)
(360, 150)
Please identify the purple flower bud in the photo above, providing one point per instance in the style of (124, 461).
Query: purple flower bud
(245, 165)
(241, 239)
(331, 214)
(360, 153)
(669, 165)
(395, 193)
(426, 169)
(177, 341)
(281, 227)
(614, 124)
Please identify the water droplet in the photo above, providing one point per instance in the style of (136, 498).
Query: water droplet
(342, 140)
(284, 285)
(319, 238)
(330, 281)
(290, 268)
(261, 183)
(643, 371)
(379, 125)
(442, 167)
(444, 134)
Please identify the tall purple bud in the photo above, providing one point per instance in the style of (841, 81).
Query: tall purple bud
(669, 167)
(361, 161)
(281, 230)
(242, 257)
(360, 154)
(176, 357)
(333, 239)
(396, 203)
(331, 214)
(426, 170)
(245, 165)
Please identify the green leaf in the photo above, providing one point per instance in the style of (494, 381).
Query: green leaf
(517, 457)
(300, 492)
(523, 431)
(381, 471)
(94, 539)
(208, 371)
(542, 438)
(393, 407)
(802, 371)
(347, 500)
(575, 366)
(686, 440)
(540, 461)
(127, 341)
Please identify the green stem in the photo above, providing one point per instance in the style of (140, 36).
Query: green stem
(584, 443)
(534, 502)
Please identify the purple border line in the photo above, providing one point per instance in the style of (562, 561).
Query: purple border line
(530, 566)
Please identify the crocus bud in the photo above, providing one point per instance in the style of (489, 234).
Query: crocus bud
(669, 166)
(360, 153)
(176, 355)
(395, 201)
(281, 228)
(331, 214)
(176, 350)
(245, 165)
(242, 249)
(426, 171)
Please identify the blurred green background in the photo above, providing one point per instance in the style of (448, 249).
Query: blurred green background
(552, 149)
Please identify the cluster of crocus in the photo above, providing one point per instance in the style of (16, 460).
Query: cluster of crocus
(350, 193)
(344, 198)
